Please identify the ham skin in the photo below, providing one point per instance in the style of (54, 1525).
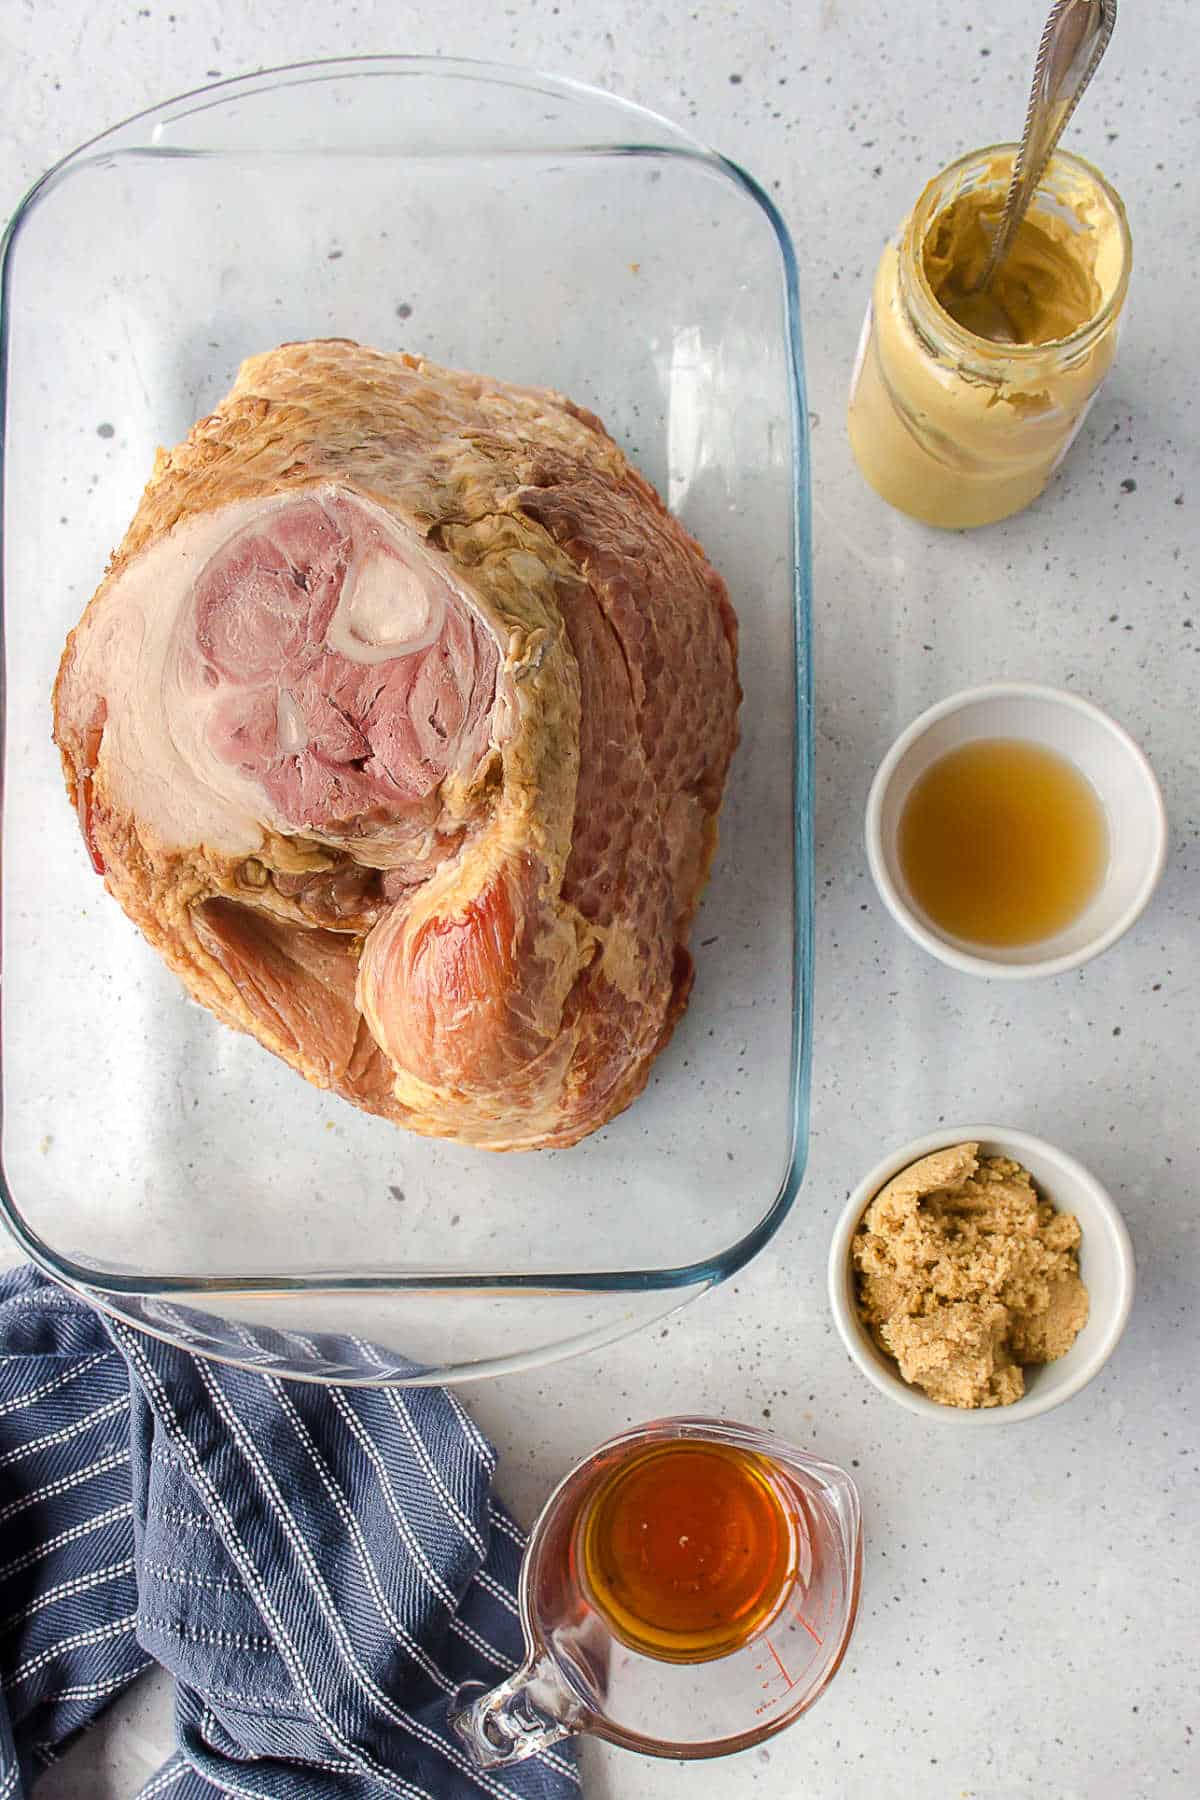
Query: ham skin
(399, 725)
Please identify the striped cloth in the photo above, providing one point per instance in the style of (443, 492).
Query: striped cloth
(319, 1567)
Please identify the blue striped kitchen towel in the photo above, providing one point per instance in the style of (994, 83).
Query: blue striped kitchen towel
(318, 1566)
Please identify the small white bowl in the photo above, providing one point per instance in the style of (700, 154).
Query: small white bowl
(1105, 1264)
(1099, 748)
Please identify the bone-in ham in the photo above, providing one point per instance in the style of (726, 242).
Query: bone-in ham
(399, 725)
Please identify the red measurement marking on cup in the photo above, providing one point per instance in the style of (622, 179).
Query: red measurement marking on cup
(801, 1620)
(771, 1681)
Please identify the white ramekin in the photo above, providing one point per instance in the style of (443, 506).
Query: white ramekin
(1099, 747)
(1105, 1263)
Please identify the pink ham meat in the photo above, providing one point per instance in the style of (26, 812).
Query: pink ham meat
(335, 726)
(399, 725)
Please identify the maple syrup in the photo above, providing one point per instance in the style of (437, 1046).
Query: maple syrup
(688, 1549)
(1002, 842)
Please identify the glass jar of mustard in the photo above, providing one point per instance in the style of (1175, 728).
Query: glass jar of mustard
(963, 405)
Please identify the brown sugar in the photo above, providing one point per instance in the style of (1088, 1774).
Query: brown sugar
(965, 1275)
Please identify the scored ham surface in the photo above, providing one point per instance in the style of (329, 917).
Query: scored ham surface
(399, 726)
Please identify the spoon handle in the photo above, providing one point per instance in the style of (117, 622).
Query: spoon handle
(1075, 38)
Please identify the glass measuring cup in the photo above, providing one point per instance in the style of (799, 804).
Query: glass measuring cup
(581, 1675)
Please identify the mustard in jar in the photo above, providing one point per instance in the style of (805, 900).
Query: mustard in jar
(962, 405)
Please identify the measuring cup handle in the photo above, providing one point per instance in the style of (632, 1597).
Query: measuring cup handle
(525, 1714)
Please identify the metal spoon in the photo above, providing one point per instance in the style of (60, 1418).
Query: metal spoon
(1075, 38)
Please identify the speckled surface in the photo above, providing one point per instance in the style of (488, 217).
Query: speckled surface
(1028, 1622)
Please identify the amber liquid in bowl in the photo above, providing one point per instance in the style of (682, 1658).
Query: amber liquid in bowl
(1003, 842)
(688, 1549)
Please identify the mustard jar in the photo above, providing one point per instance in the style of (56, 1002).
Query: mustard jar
(963, 405)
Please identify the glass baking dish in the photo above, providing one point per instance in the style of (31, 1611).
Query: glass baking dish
(503, 221)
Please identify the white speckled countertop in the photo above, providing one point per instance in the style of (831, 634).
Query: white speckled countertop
(1028, 1623)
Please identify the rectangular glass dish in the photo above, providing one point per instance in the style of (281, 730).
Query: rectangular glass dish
(538, 231)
